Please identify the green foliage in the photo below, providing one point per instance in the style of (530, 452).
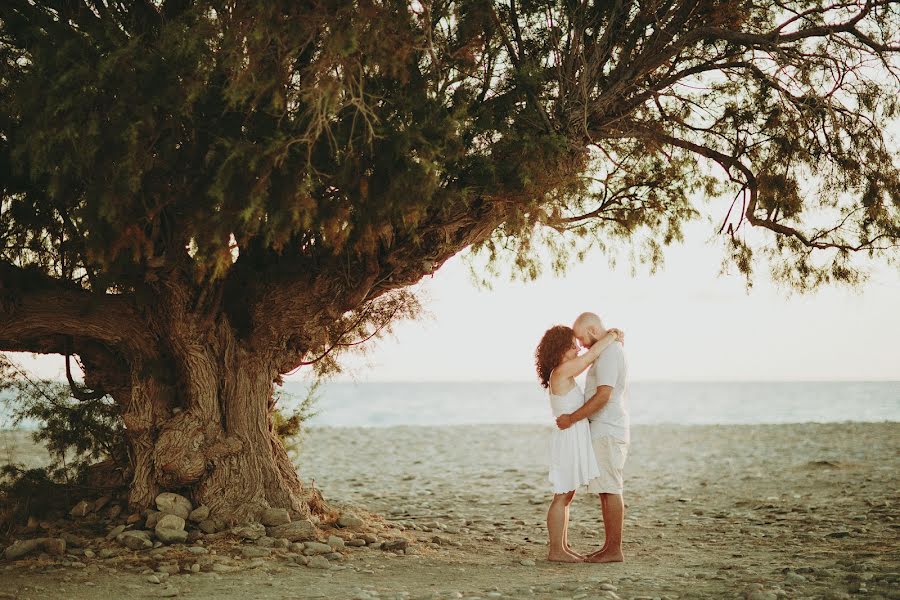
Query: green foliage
(364, 132)
(76, 433)
(291, 426)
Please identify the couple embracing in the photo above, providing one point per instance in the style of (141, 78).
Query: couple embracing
(591, 443)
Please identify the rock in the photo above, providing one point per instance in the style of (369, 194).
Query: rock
(838, 534)
(54, 546)
(356, 542)
(335, 542)
(169, 592)
(334, 556)
(199, 514)
(153, 517)
(208, 526)
(89, 553)
(109, 552)
(527, 562)
(281, 543)
(174, 504)
(135, 540)
(20, 549)
(255, 552)
(170, 529)
(153, 579)
(369, 538)
(271, 517)
(250, 531)
(316, 548)
(792, 578)
(296, 531)
(81, 509)
(114, 532)
(100, 503)
(350, 521)
(198, 550)
(318, 562)
(265, 541)
(114, 511)
(134, 518)
(395, 545)
(195, 568)
(73, 540)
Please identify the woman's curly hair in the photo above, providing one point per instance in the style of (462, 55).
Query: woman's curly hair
(550, 350)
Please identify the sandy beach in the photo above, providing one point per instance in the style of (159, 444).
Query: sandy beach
(759, 512)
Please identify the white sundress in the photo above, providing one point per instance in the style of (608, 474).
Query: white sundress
(572, 460)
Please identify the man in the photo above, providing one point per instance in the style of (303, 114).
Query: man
(605, 392)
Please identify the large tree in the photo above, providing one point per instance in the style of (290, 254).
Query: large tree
(199, 197)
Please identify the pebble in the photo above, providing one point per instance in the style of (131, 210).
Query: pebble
(527, 562)
(296, 531)
(174, 504)
(350, 521)
(81, 509)
(255, 552)
(335, 542)
(271, 517)
(170, 529)
(315, 548)
(318, 562)
(134, 540)
(201, 513)
(168, 592)
(250, 531)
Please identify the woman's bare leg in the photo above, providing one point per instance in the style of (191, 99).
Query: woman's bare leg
(556, 528)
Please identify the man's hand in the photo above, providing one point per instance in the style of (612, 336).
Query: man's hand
(564, 421)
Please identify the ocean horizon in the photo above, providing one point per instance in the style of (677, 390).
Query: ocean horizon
(434, 403)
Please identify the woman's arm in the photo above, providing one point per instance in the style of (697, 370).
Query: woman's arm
(576, 366)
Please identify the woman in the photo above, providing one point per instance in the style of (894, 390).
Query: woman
(572, 461)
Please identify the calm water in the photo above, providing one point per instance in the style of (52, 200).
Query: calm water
(382, 404)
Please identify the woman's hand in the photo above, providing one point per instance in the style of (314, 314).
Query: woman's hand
(620, 335)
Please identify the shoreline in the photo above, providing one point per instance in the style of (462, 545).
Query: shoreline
(763, 512)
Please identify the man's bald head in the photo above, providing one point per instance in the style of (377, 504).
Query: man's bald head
(588, 328)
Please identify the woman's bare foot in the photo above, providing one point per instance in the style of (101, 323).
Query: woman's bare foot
(573, 553)
(606, 556)
(564, 557)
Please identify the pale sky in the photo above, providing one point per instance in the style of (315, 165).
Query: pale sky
(685, 323)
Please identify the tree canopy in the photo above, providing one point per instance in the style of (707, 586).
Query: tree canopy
(187, 186)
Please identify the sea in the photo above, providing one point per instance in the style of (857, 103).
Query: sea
(382, 404)
(688, 403)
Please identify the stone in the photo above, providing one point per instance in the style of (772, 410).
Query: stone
(316, 548)
(198, 550)
(265, 541)
(109, 552)
(255, 552)
(369, 538)
(207, 526)
(20, 549)
(81, 509)
(195, 568)
(153, 517)
(318, 562)
(134, 518)
(527, 562)
(114, 511)
(100, 502)
(168, 592)
(250, 531)
(114, 532)
(395, 545)
(296, 531)
(135, 540)
(356, 542)
(281, 543)
(350, 521)
(73, 540)
(271, 517)
(54, 546)
(89, 553)
(792, 578)
(170, 529)
(335, 542)
(333, 556)
(174, 504)
(199, 514)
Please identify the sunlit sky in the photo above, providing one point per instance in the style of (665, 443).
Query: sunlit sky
(686, 323)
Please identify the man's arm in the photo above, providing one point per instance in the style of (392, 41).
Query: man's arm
(597, 401)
